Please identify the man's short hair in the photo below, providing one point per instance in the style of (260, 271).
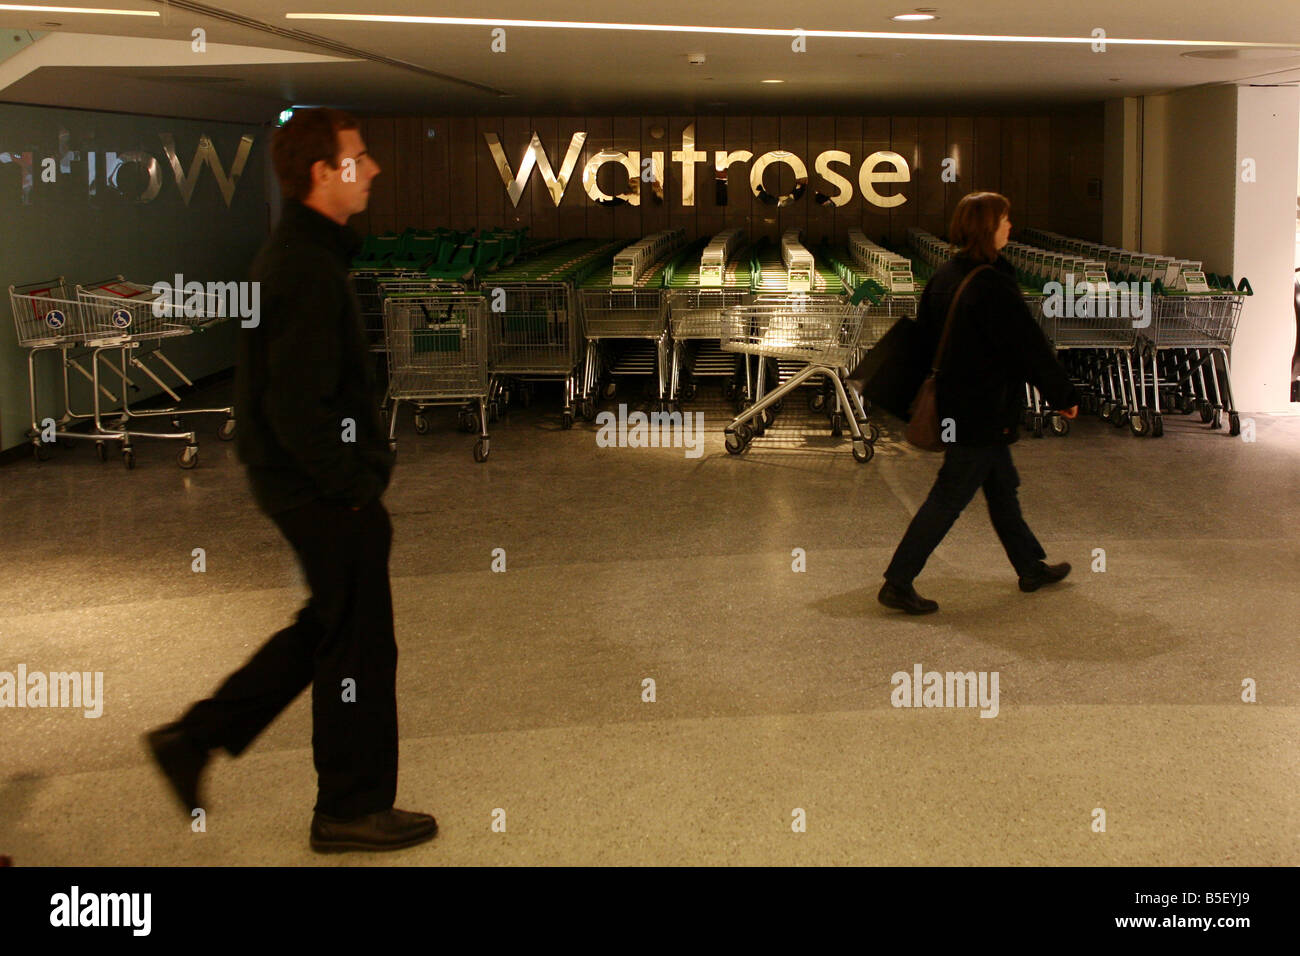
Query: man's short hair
(309, 136)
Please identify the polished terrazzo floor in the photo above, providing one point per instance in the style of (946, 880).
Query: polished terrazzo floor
(522, 691)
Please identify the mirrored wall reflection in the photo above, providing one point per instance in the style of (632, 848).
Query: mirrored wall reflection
(760, 167)
(61, 172)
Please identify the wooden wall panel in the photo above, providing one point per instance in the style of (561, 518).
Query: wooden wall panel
(875, 137)
(434, 170)
(961, 147)
(600, 219)
(988, 154)
(1037, 201)
(765, 135)
(848, 137)
(1015, 164)
(492, 198)
(463, 172)
(379, 139)
(821, 216)
(654, 213)
(686, 217)
(737, 135)
(710, 133)
(927, 185)
(902, 140)
(794, 139)
(627, 138)
(408, 135)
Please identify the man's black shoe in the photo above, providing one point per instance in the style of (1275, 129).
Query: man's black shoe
(386, 830)
(905, 600)
(1044, 574)
(181, 761)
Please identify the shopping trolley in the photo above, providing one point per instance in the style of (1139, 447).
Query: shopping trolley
(822, 332)
(1191, 333)
(695, 323)
(148, 318)
(1102, 362)
(436, 344)
(536, 334)
(48, 319)
(635, 315)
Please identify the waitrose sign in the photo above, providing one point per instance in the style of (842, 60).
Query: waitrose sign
(883, 166)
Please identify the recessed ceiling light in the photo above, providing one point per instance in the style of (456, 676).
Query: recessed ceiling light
(773, 81)
(909, 17)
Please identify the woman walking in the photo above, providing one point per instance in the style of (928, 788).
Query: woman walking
(993, 347)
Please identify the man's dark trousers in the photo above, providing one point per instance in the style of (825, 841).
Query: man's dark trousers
(965, 470)
(344, 633)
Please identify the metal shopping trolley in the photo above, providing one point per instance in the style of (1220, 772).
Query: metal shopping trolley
(150, 318)
(637, 315)
(695, 322)
(536, 334)
(48, 319)
(1105, 344)
(1190, 334)
(437, 355)
(823, 332)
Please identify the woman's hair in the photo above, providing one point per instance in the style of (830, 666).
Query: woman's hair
(975, 224)
(309, 136)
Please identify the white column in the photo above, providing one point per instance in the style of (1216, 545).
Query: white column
(1264, 244)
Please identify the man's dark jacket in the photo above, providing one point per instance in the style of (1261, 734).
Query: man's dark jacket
(995, 346)
(304, 370)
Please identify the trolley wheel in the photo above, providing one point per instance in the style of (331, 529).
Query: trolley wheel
(1216, 420)
(1060, 425)
(1207, 412)
(1186, 404)
(1157, 426)
(101, 451)
(688, 392)
(863, 450)
(421, 424)
(227, 430)
(189, 457)
(1234, 423)
(837, 424)
(481, 450)
(816, 401)
(1103, 410)
(128, 458)
(768, 416)
(737, 441)
(392, 446)
(873, 432)
(41, 450)
(566, 420)
(1139, 423)
(1036, 425)
(1119, 416)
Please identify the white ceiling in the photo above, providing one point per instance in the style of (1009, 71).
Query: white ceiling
(438, 70)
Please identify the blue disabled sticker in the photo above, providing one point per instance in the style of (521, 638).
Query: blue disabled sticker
(121, 318)
(55, 319)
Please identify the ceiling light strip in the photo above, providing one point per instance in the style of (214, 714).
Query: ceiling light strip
(763, 31)
(101, 11)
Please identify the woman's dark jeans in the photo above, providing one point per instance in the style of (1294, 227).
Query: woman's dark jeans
(965, 470)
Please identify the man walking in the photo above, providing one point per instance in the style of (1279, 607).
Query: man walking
(318, 461)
